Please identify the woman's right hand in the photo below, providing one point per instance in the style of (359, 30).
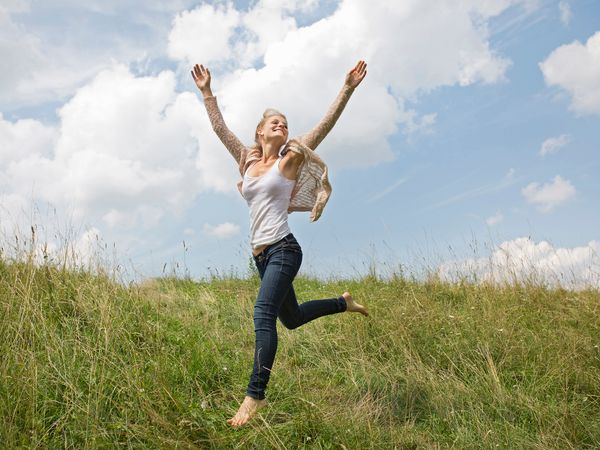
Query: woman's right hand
(202, 78)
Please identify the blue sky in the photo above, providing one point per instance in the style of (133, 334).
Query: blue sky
(436, 162)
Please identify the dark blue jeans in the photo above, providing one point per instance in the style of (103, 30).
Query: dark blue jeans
(277, 265)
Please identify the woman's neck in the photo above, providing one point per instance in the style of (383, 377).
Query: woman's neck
(270, 151)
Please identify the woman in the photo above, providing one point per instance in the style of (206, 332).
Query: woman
(279, 177)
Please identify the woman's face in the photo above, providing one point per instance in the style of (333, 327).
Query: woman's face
(275, 129)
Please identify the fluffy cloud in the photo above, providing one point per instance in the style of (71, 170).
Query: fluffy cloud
(24, 138)
(576, 69)
(203, 34)
(523, 260)
(51, 54)
(411, 47)
(22, 141)
(221, 231)
(549, 195)
(218, 33)
(554, 144)
(127, 151)
(87, 249)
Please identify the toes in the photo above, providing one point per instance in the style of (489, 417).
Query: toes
(239, 423)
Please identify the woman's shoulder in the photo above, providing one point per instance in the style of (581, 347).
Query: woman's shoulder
(297, 147)
(293, 154)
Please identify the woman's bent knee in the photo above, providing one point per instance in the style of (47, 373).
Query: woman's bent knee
(290, 324)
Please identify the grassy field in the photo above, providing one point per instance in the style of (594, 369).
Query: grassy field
(90, 363)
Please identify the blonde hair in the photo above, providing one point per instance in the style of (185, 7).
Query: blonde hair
(269, 112)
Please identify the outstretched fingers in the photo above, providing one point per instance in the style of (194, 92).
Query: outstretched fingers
(200, 72)
(361, 68)
(356, 74)
(201, 76)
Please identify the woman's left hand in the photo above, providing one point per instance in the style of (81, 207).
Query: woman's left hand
(356, 75)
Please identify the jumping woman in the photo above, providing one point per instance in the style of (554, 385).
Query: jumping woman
(279, 177)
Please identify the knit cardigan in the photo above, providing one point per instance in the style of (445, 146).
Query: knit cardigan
(312, 188)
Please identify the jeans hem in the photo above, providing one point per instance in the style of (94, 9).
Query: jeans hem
(255, 396)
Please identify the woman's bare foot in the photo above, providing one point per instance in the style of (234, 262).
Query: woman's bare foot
(352, 306)
(247, 410)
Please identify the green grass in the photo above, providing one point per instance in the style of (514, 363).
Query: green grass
(89, 363)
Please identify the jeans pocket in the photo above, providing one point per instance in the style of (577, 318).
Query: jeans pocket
(293, 246)
(258, 259)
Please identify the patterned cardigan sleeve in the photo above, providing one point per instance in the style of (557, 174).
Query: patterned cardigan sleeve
(229, 140)
(314, 137)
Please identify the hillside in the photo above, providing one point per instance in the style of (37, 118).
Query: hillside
(90, 363)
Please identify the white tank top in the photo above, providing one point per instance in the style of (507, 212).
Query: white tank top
(268, 197)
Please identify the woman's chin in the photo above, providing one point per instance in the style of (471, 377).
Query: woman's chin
(278, 141)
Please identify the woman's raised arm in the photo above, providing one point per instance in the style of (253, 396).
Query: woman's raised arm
(202, 78)
(353, 78)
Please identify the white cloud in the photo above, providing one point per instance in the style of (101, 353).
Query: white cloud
(24, 138)
(554, 144)
(51, 54)
(495, 219)
(565, 12)
(258, 36)
(221, 231)
(411, 47)
(37, 239)
(19, 47)
(22, 142)
(87, 249)
(127, 151)
(126, 148)
(510, 174)
(217, 33)
(203, 34)
(523, 260)
(549, 195)
(576, 69)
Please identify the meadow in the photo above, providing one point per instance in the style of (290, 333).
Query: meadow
(91, 362)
